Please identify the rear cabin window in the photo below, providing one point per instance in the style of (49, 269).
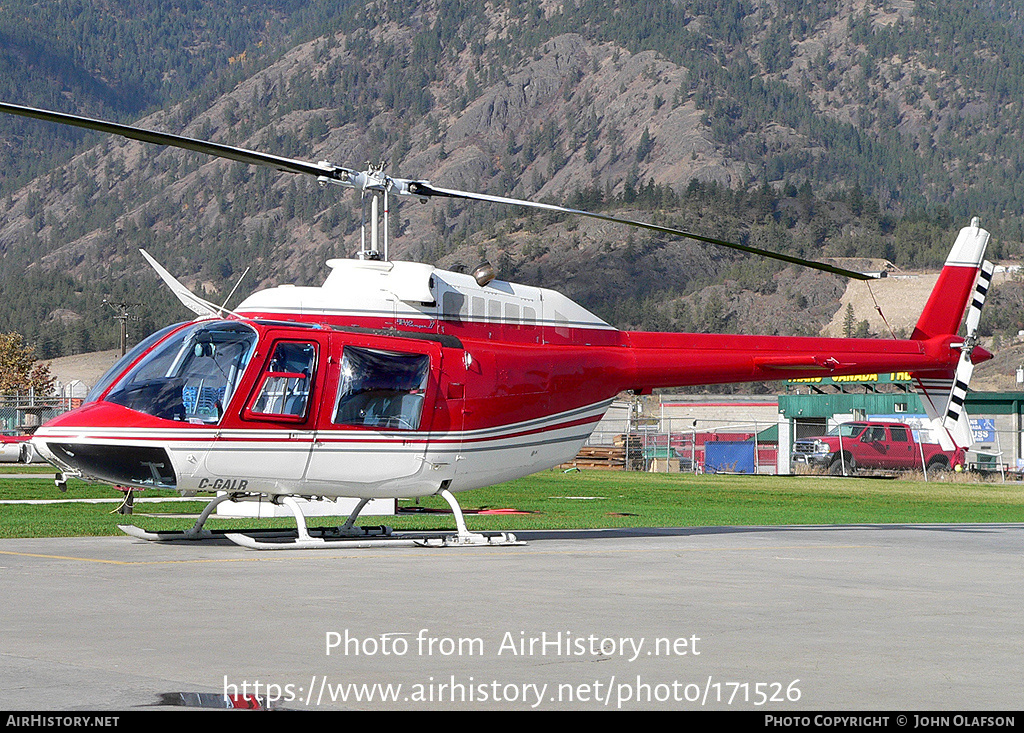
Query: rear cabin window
(381, 389)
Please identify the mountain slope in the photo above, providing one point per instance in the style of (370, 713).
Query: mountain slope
(822, 129)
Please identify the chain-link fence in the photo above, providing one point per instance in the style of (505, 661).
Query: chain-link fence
(20, 414)
(717, 446)
(722, 446)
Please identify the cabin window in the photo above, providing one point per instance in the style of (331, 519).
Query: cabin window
(847, 430)
(191, 375)
(381, 389)
(453, 305)
(284, 386)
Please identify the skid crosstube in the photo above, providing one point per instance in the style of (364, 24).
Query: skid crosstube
(318, 538)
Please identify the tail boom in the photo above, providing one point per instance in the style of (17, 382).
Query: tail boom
(663, 360)
(940, 362)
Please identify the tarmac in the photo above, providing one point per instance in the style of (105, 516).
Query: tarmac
(772, 619)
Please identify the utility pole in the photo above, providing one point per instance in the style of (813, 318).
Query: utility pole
(123, 310)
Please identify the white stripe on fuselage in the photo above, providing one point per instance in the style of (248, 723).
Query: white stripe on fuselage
(205, 433)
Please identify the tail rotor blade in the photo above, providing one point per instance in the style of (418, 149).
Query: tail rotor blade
(980, 291)
(958, 392)
(955, 420)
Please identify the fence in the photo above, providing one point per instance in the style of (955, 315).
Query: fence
(649, 448)
(664, 447)
(24, 413)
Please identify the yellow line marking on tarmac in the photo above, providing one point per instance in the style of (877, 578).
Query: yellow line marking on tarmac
(281, 555)
(125, 562)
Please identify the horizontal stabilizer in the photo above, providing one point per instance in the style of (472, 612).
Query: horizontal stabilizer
(808, 362)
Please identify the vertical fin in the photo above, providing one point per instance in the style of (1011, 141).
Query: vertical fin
(943, 394)
(955, 422)
(944, 312)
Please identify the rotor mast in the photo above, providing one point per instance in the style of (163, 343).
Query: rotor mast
(372, 182)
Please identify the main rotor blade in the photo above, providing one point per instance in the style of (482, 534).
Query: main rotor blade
(374, 179)
(241, 155)
(425, 189)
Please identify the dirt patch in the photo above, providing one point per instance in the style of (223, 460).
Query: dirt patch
(86, 368)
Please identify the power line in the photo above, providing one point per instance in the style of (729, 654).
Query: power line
(123, 310)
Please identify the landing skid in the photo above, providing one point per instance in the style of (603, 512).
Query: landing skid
(196, 532)
(348, 535)
(403, 539)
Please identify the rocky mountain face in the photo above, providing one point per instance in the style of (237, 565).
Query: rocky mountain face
(822, 129)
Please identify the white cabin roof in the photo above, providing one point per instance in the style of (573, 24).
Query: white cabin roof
(366, 288)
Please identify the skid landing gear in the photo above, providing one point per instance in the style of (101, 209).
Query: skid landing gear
(347, 535)
(196, 532)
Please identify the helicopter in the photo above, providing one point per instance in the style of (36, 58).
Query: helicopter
(398, 379)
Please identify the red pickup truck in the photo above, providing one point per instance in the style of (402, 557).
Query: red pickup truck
(883, 445)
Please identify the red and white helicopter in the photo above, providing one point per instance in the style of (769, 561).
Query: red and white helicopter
(398, 379)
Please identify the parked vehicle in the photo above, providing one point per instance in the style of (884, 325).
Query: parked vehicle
(873, 445)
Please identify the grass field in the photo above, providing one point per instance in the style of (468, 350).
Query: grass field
(556, 500)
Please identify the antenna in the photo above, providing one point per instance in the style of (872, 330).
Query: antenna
(224, 305)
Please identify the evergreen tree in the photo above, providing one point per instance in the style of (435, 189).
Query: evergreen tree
(848, 321)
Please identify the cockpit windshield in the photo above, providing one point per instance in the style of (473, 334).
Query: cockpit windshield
(134, 353)
(847, 430)
(190, 376)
